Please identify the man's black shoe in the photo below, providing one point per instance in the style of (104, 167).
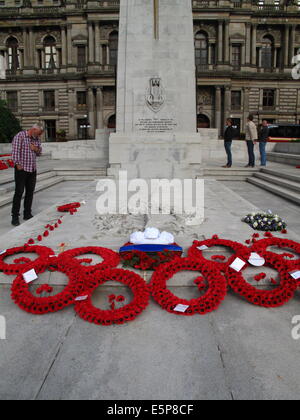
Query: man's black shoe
(15, 221)
(28, 217)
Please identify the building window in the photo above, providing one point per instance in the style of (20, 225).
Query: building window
(113, 48)
(81, 101)
(13, 54)
(12, 100)
(49, 100)
(50, 130)
(269, 98)
(81, 56)
(201, 49)
(267, 53)
(236, 100)
(83, 129)
(236, 56)
(51, 61)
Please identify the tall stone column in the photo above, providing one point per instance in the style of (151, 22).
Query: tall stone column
(69, 44)
(220, 42)
(248, 44)
(286, 45)
(64, 47)
(97, 42)
(26, 47)
(227, 43)
(246, 105)
(254, 42)
(218, 108)
(91, 109)
(292, 44)
(72, 107)
(100, 123)
(91, 43)
(227, 105)
(31, 49)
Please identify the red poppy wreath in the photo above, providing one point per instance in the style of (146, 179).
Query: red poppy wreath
(110, 258)
(276, 297)
(90, 313)
(22, 264)
(21, 295)
(69, 208)
(196, 252)
(215, 294)
(263, 245)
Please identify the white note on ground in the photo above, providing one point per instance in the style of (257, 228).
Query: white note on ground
(295, 274)
(256, 260)
(30, 276)
(181, 308)
(81, 298)
(3, 252)
(202, 247)
(238, 264)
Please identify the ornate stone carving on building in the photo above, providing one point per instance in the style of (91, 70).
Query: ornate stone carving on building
(155, 96)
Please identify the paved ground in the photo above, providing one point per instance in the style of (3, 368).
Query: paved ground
(237, 352)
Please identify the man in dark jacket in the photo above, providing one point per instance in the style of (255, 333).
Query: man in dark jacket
(229, 135)
(263, 139)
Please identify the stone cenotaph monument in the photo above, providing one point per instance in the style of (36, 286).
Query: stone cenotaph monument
(156, 134)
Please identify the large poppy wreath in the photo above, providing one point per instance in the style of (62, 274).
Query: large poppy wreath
(210, 301)
(90, 313)
(22, 296)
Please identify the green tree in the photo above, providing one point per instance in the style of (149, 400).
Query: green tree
(9, 125)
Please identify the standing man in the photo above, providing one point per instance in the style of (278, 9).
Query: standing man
(229, 135)
(251, 138)
(26, 146)
(263, 139)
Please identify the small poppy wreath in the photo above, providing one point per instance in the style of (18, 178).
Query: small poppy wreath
(263, 244)
(67, 208)
(197, 254)
(210, 301)
(22, 296)
(16, 268)
(110, 258)
(90, 313)
(266, 298)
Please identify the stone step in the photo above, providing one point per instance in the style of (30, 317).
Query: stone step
(287, 158)
(10, 186)
(9, 175)
(40, 186)
(45, 156)
(231, 174)
(81, 174)
(291, 185)
(282, 174)
(276, 189)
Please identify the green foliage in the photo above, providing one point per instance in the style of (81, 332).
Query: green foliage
(9, 125)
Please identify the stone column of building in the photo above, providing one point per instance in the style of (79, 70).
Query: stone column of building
(26, 47)
(100, 123)
(63, 47)
(254, 42)
(227, 43)
(72, 107)
(91, 109)
(69, 44)
(227, 104)
(246, 105)
(218, 107)
(220, 42)
(97, 43)
(248, 44)
(91, 43)
(31, 49)
(286, 45)
(292, 44)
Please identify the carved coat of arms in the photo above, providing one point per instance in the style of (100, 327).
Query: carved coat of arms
(155, 97)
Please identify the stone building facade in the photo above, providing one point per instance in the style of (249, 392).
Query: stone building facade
(61, 62)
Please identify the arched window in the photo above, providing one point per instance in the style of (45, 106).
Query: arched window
(111, 124)
(267, 52)
(113, 48)
(201, 47)
(12, 45)
(50, 53)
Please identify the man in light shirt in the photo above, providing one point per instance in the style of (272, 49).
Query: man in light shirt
(251, 138)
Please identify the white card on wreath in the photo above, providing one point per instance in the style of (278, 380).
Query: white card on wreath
(256, 260)
(238, 264)
(295, 274)
(30, 276)
(3, 252)
(202, 247)
(181, 308)
(81, 298)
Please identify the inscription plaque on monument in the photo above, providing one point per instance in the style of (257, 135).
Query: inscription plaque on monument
(156, 125)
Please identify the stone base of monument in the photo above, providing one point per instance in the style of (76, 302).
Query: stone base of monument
(166, 155)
